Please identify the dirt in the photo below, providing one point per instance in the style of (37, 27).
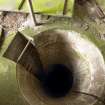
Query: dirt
(12, 21)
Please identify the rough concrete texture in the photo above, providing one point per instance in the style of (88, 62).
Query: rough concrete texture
(64, 47)
(89, 26)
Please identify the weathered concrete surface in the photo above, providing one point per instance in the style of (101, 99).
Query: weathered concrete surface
(90, 28)
(64, 47)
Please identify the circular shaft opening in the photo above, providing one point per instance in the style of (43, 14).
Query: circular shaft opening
(58, 81)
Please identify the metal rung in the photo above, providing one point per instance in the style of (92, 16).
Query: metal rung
(23, 51)
(65, 7)
(21, 4)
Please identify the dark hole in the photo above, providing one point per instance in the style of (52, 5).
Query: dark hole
(58, 81)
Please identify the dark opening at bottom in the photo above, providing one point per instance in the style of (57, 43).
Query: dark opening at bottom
(58, 81)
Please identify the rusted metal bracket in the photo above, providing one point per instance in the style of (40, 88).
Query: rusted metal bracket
(23, 52)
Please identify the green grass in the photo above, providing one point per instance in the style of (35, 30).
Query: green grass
(49, 7)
